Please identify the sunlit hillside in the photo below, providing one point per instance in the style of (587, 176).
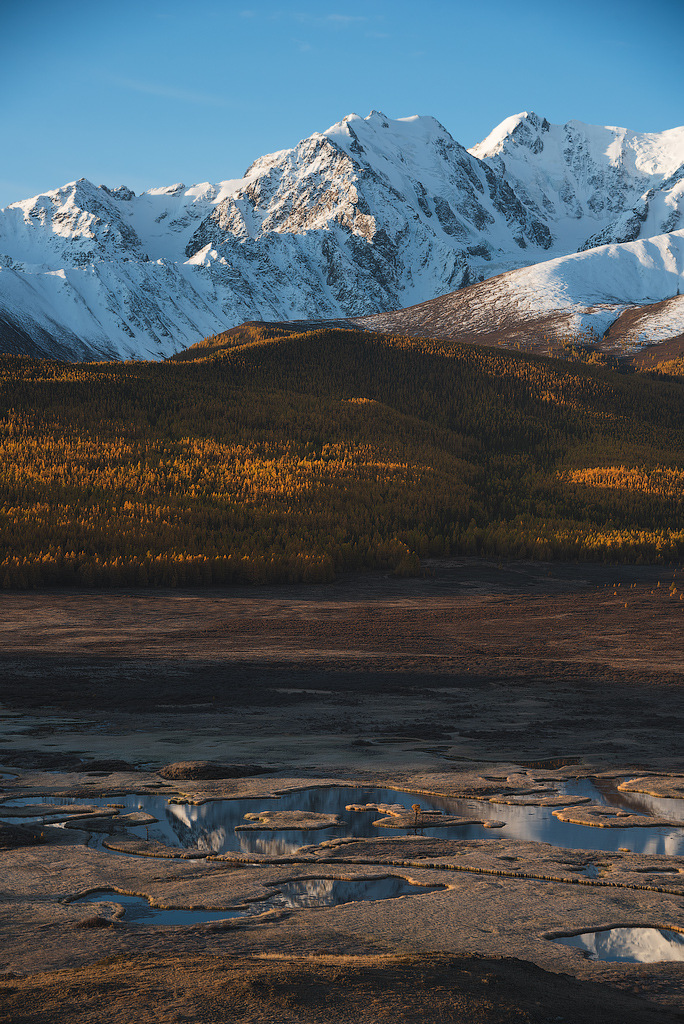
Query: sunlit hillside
(261, 458)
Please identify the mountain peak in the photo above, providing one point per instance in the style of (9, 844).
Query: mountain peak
(167, 190)
(519, 129)
(375, 213)
(121, 192)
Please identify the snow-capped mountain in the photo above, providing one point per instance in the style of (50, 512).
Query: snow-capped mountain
(591, 185)
(628, 295)
(372, 215)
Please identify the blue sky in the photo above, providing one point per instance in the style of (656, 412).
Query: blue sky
(150, 93)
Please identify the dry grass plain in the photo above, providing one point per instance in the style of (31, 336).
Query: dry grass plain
(415, 683)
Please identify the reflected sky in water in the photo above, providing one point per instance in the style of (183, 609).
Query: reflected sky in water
(629, 945)
(138, 911)
(300, 894)
(210, 827)
(643, 803)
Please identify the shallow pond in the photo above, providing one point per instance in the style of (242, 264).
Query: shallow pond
(210, 827)
(644, 803)
(138, 911)
(296, 895)
(628, 945)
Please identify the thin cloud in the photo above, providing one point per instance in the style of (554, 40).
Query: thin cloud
(314, 20)
(170, 93)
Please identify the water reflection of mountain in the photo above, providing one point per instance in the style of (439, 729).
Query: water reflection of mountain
(211, 826)
(192, 832)
(277, 844)
(296, 895)
(312, 892)
(332, 892)
(631, 945)
(644, 803)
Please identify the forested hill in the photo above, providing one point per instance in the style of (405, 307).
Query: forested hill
(294, 458)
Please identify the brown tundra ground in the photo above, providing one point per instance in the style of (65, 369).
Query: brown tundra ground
(476, 681)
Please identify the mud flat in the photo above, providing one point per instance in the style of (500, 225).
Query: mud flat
(490, 694)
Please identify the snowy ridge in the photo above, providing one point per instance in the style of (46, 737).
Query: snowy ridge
(592, 185)
(372, 214)
(574, 296)
(653, 324)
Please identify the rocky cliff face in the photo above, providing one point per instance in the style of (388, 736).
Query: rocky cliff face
(371, 215)
(591, 185)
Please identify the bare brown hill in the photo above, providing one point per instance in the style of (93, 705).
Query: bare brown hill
(493, 313)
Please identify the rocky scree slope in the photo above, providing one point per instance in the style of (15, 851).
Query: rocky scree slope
(372, 215)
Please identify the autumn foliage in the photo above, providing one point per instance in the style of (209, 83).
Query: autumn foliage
(294, 458)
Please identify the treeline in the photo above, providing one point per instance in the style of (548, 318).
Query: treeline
(296, 458)
(671, 367)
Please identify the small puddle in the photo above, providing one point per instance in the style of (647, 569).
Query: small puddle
(300, 894)
(628, 945)
(137, 910)
(332, 892)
